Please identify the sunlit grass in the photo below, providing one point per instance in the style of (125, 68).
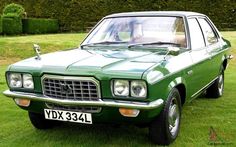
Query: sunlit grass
(21, 47)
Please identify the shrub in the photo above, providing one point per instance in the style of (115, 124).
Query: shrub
(11, 24)
(14, 9)
(40, 25)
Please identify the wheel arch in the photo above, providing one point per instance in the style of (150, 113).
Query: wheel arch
(180, 84)
(182, 91)
(224, 62)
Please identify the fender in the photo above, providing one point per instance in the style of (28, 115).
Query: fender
(177, 81)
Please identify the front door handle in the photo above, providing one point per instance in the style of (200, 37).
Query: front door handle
(190, 72)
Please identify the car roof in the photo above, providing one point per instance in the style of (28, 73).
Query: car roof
(156, 13)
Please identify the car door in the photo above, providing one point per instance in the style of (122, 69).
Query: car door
(213, 44)
(198, 74)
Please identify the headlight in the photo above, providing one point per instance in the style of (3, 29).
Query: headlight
(15, 80)
(121, 87)
(138, 89)
(28, 81)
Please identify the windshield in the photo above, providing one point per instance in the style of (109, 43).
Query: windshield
(126, 31)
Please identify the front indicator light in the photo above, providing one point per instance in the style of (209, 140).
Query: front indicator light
(22, 102)
(129, 112)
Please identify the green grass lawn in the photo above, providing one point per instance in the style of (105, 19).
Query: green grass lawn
(197, 118)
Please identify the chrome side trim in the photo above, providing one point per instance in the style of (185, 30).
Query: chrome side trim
(106, 103)
(199, 91)
(74, 78)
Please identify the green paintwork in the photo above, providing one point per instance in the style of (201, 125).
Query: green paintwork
(189, 68)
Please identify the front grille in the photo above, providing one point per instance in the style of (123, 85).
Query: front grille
(71, 88)
(87, 109)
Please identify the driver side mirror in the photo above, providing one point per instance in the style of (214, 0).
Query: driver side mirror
(173, 51)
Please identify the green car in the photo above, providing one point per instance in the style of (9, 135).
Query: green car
(138, 68)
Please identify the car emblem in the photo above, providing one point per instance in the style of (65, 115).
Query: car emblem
(66, 89)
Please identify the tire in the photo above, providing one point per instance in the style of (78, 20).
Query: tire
(39, 122)
(160, 131)
(217, 88)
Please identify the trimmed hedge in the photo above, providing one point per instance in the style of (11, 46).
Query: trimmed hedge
(0, 24)
(11, 24)
(76, 15)
(40, 25)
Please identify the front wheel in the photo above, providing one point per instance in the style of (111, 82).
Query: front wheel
(165, 128)
(217, 88)
(39, 122)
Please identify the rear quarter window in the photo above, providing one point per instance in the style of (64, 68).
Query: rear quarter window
(210, 35)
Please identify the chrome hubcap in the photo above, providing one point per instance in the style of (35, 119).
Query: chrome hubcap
(173, 117)
(220, 84)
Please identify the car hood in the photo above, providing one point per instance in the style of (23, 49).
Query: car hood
(91, 62)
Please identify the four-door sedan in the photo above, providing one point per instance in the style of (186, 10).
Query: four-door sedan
(138, 68)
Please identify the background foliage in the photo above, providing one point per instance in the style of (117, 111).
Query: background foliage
(11, 19)
(39, 25)
(77, 15)
(0, 24)
(14, 9)
(11, 24)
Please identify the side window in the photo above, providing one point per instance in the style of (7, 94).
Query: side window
(196, 37)
(211, 37)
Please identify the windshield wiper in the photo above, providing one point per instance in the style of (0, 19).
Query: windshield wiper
(154, 43)
(103, 42)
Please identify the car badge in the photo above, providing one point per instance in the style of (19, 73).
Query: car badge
(66, 89)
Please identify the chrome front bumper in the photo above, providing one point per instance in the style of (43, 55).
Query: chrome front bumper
(109, 103)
